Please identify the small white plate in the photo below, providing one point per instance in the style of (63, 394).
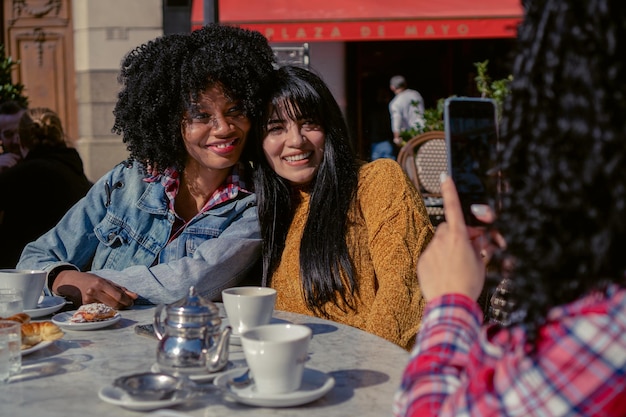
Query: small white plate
(38, 346)
(47, 305)
(204, 377)
(315, 384)
(117, 396)
(63, 321)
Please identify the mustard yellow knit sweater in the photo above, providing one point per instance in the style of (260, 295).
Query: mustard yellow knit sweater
(388, 228)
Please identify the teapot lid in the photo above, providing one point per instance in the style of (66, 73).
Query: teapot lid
(192, 308)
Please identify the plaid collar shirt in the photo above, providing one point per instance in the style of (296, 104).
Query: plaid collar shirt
(460, 369)
(170, 180)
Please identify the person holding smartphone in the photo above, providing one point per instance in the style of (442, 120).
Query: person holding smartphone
(563, 217)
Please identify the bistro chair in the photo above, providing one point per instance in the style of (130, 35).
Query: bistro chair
(424, 158)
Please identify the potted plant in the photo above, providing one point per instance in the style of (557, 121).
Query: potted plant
(10, 91)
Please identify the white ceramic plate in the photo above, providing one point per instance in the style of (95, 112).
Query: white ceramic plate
(118, 397)
(63, 321)
(204, 377)
(47, 305)
(315, 384)
(38, 346)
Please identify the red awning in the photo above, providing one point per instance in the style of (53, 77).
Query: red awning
(369, 20)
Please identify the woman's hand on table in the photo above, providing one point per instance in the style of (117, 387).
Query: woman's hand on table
(84, 288)
(454, 261)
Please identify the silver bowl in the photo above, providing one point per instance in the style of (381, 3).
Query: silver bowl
(151, 386)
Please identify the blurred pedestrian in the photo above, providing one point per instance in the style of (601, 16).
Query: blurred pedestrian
(38, 191)
(10, 114)
(406, 108)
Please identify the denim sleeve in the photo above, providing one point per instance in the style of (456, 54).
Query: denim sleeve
(72, 241)
(218, 263)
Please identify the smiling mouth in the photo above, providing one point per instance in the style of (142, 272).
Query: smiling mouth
(299, 157)
(225, 144)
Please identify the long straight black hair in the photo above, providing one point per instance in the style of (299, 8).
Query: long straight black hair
(326, 269)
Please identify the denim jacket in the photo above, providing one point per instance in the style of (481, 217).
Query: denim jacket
(120, 231)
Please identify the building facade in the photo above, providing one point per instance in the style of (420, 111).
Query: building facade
(70, 51)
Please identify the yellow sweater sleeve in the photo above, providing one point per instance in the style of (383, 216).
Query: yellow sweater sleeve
(398, 229)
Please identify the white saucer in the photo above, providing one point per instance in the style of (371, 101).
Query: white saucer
(315, 384)
(38, 346)
(204, 377)
(117, 396)
(47, 305)
(63, 321)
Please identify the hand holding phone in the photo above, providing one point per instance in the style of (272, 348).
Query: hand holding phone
(471, 141)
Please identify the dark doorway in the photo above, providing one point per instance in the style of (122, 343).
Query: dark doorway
(437, 69)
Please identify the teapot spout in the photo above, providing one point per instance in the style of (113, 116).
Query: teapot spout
(219, 358)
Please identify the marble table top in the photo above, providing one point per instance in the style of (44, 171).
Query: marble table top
(63, 379)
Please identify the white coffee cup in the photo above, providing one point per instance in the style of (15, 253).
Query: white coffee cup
(248, 307)
(30, 282)
(276, 354)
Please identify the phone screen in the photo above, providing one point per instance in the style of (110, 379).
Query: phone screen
(471, 140)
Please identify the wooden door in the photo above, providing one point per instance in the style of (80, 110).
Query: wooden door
(39, 34)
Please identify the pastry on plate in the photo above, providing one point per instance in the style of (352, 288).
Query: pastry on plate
(93, 312)
(40, 331)
(19, 317)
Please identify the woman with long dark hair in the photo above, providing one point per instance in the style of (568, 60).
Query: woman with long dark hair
(340, 238)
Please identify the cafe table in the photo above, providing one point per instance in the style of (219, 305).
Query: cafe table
(64, 378)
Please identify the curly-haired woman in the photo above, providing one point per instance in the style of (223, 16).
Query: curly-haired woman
(564, 220)
(340, 237)
(179, 213)
(38, 191)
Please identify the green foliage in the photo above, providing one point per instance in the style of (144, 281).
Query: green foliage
(497, 90)
(8, 90)
(433, 120)
(433, 117)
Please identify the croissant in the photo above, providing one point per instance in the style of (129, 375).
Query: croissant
(19, 317)
(36, 332)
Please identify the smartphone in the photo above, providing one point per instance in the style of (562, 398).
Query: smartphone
(471, 131)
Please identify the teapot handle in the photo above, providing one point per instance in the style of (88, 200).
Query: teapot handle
(158, 329)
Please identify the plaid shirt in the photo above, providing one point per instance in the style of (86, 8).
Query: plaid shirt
(460, 369)
(227, 191)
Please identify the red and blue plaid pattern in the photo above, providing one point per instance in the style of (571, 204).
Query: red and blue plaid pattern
(227, 191)
(458, 368)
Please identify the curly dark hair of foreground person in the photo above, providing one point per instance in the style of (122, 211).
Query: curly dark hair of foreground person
(564, 153)
(162, 78)
(300, 94)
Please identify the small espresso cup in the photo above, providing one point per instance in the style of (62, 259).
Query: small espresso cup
(248, 307)
(30, 282)
(276, 354)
